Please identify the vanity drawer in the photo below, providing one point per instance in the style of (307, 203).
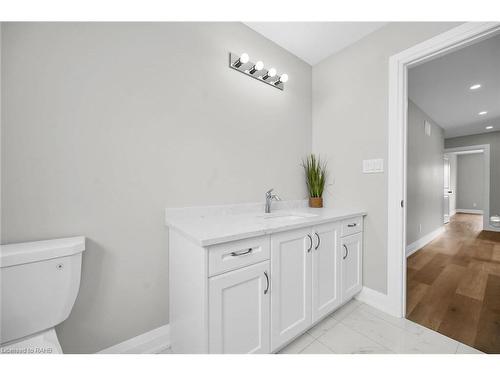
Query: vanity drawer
(236, 254)
(351, 226)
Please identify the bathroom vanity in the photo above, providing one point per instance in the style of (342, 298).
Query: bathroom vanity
(242, 281)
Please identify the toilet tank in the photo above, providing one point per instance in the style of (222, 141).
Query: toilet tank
(39, 282)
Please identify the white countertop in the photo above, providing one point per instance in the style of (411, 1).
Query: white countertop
(217, 224)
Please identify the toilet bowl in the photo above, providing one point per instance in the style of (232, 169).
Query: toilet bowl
(39, 284)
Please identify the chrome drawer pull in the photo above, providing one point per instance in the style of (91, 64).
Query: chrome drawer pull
(241, 252)
(267, 279)
(310, 243)
(319, 241)
(346, 252)
(352, 225)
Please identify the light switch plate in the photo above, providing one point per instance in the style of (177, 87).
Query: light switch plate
(373, 166)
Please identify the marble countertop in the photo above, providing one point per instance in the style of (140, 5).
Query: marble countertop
(211, 225)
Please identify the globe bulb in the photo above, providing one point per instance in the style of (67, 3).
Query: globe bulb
(244, 58)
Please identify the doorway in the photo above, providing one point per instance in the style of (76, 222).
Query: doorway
(451, 259)
(399, 64)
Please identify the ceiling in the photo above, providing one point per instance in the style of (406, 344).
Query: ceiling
(440, 88)
(314, 41)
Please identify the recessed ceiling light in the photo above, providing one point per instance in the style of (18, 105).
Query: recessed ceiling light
(482, 113)
(475, 87)
(489, 127)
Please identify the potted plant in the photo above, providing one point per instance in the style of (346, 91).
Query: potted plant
(315, 173)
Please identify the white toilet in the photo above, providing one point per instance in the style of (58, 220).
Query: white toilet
(39, 282)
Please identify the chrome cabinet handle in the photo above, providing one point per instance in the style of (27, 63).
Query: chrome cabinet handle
(352, 225)
(310, 243)
(267, 279)
(241, 252)
(319, 241)
(346, 252)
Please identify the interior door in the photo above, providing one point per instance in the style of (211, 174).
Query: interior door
(239, 311)
(447, 191)
(352, 247)
(326, 270)
(291, 254)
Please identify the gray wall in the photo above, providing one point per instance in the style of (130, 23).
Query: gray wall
(470, 181)
(493, 139)
(424, 176)
(106, 124)
(350, 101)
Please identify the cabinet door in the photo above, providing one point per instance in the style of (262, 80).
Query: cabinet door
(291, 285)
(239, 310)
(326, 270)
(352, 247)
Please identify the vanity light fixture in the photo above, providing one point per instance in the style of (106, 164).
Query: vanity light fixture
(482, 113)
(256, 70)
(243, 59)
(475, 86)
(489, 127)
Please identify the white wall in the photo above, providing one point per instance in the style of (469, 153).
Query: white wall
(350, 102)
(470, 181)
(425, 177)
(106, 124)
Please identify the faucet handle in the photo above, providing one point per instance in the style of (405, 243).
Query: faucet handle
(268, 193)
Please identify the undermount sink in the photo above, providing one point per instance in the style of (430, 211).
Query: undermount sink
(287, 215)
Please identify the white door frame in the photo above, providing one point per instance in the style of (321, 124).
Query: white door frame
(486, 179)
(457, 37)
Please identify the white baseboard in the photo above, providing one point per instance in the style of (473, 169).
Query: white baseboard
(420, 243)
(452, 212)
(467, 211)
(376, 299)
(150, 342)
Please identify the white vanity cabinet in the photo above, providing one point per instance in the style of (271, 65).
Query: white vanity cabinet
(352, 247)
(326, 274)
(306, 276)
(238, 312)
(257, 294)
(291, 259)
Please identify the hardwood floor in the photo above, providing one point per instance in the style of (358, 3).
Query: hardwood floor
(453, 284)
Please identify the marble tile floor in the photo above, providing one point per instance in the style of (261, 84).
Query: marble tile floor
(357, 328)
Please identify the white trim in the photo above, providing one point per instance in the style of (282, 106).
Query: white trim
(460, 36)
(485, 149)
(420, 243)
(375, 299)
(151, 342)
(467, 211)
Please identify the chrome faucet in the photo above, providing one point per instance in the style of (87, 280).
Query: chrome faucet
(269, 198)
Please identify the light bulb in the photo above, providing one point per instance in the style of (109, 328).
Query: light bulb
(244, 58)
(284, 78)
(272, 72)
(258, 66)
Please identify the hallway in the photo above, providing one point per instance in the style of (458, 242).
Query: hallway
(453, 284)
